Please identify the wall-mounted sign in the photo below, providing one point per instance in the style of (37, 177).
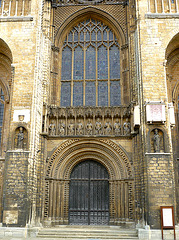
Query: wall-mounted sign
(155, 112)
(167, 219)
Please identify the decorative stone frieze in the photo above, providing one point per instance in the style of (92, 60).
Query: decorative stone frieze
(85, 121)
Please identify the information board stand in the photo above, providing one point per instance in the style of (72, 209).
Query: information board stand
(167, 219)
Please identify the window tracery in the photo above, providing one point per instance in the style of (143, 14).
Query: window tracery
(90, 71)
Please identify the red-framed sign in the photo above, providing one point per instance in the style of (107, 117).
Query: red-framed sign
(167, 219)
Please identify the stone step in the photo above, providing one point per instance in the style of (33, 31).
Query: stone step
(88, 233)
(86, 238)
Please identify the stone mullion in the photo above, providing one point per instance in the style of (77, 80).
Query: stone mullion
(84, 81)
(72, 76)
(109, 100)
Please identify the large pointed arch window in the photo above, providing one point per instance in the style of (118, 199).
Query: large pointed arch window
(90, 68)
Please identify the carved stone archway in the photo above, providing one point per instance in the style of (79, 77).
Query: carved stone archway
(74, 151)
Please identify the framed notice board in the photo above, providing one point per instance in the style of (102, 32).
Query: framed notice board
(167, 219)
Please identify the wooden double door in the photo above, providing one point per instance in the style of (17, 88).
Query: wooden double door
(89, 194)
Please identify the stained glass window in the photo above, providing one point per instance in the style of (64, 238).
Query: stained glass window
(90, 97)
(1, 113)
(90, 63)
(66, 94)
(115, 93)
(114, 62)
(90, 58)
(66, 64)
(78, 63)
(78, 96)
(102, 63)
(103, 93)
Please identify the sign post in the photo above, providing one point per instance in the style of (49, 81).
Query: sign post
(167, 219)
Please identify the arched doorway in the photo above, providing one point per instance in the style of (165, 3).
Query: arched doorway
(108, 156)
(89, 194)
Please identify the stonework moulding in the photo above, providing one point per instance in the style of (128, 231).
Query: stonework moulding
(111, 155)
(93, 12)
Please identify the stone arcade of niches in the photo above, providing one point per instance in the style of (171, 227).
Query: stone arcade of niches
(89, 104)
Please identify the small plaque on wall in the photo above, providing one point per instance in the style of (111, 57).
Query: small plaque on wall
(155, 112)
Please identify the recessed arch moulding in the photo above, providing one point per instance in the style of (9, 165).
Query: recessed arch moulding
(61, 163)
(108, 153)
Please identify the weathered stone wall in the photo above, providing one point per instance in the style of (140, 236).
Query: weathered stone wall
(29, 40)
(155, 31)
(160, 186)
(15, 199)
(30, 53)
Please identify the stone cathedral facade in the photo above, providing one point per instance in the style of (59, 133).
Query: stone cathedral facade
(89, 112)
